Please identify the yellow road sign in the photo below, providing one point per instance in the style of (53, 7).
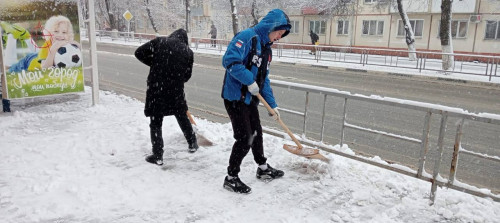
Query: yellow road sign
(127, 15)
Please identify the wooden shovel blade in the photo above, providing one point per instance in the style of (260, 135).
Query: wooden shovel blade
(203, 141)
(305, 152)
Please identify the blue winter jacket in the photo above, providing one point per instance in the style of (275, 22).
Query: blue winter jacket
(236, 58)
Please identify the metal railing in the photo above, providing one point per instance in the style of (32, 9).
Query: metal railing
(464, 63)
(429, 110)
(471, 64)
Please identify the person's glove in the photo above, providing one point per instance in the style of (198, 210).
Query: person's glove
(276, 112)
(253, 88)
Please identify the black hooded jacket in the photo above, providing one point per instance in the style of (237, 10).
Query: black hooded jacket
(314, 37)
(171, 63)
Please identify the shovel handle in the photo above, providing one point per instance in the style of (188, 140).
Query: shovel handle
(190, 117)
(270, 110)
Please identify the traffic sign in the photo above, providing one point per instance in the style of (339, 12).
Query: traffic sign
(127, 15)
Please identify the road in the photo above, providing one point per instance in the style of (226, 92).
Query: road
(121, 72)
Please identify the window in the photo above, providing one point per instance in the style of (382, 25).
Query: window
(373, 27)
(318, 27)
(492, 30)
(458, 29)
(370, 1)
(342, 27)
(295, 27)
(416, 25)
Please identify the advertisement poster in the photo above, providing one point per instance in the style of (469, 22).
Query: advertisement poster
(41, 50)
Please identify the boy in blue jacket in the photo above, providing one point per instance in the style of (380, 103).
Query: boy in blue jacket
(247, 62)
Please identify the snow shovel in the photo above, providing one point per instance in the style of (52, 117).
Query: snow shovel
(298, 149)
(202, 140)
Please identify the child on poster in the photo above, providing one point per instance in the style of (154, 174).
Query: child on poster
(58, 31)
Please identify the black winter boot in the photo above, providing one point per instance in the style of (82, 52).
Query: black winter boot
(155, 159)
(235, 185)
(193, 147)
(269, 174)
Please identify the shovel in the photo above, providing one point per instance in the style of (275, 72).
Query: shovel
(298, 149)
(202, 140)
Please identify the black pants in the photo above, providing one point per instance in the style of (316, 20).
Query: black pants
(213, 42)
(156, 133)
(247, 132)
(5, 104)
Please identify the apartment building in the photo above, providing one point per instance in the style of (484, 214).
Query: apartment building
(475, 25)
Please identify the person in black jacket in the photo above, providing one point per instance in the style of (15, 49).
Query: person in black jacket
(213, 35)
(314, 40)
(171, 63)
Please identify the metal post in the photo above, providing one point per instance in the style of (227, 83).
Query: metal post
(323, 119)
(437, 164)
(491, 68)
(343, 123)
(417, 60)
(362, 55)
(425, 61)
(305, 113)
(128, 28)
(487, 66)
(421, 60)
(425, 144)
(93, 55)
(456, 148)
(496, 67)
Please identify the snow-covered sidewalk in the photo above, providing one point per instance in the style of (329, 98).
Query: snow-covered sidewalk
(64, 160)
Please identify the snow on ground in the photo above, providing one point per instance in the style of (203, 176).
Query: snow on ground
(64, 160)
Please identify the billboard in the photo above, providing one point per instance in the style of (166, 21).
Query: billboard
(41, 50)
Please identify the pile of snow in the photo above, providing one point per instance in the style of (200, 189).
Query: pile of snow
(64, 160)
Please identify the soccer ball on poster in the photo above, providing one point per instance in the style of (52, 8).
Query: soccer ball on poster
(67, 56)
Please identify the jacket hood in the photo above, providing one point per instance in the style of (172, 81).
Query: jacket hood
(181, 35)
(276, 19)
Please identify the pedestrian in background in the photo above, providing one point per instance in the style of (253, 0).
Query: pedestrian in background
(247, 62)
(171, 63)
(315, 42)
(213, 35)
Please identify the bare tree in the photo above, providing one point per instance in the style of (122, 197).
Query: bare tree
(234, 16)
(328, 8)
(188, 15)
(150, 15)
(445, 35)
(111, 16)
(409, 35)
(255, 12)
(162, 14)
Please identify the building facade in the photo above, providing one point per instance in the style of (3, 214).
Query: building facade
(475, 25)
